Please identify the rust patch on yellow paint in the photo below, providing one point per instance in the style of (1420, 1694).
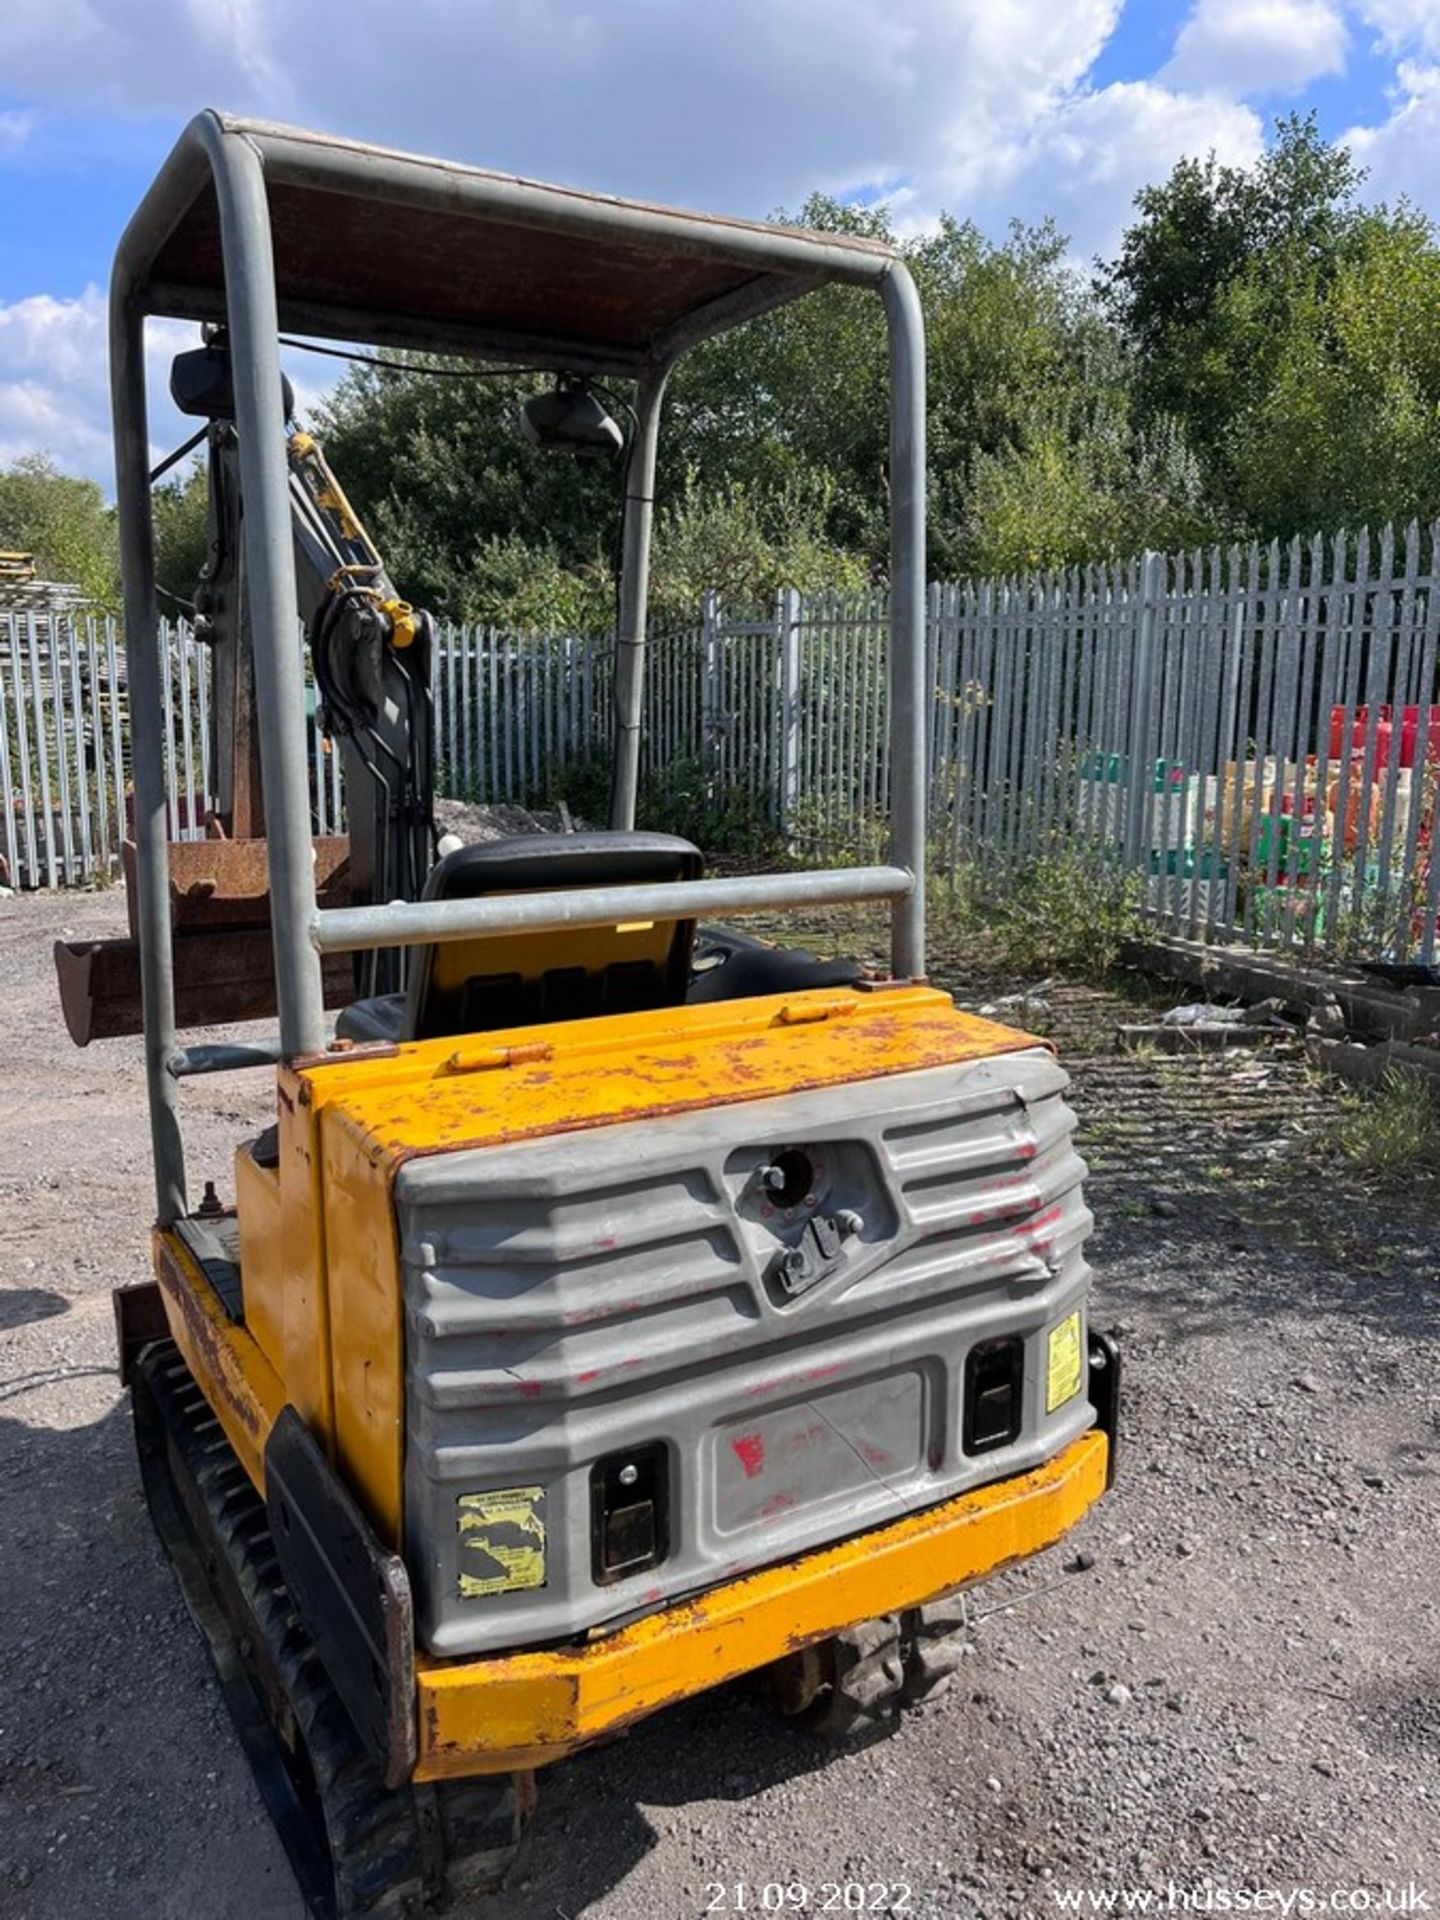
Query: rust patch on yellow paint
(224, 1360)
(608, 1071)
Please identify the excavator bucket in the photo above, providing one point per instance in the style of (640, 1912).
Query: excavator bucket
(223, 956)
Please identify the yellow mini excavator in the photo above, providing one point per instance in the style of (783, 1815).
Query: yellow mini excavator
(617, 1305)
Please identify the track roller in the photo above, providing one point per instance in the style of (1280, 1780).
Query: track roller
(935, 1639)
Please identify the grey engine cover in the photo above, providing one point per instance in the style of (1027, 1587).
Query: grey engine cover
(621, 1287)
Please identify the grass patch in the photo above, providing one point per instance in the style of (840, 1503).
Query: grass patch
(1390, 1130)
(1056, 917)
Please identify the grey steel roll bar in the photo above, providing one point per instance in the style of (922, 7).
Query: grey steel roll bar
(433, 922)
(216, 239)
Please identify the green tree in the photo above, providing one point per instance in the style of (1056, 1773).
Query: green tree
(1085, 485)
(1346, 431)
(795, 398)
(774, 450)
(801, 395)
(64, 522)
(179, 508)
(746, 544)
(436, 466)
(1013, 337)
(524, 584)
(1278, 226)
(1291, 332)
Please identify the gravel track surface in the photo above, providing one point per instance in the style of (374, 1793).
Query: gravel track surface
(1230, 1673)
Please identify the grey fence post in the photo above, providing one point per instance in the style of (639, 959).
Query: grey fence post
(710, 689)
(10, 805)
(935, 741)
(1138, 778)
(787, 651)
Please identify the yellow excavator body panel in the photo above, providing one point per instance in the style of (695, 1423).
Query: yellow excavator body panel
(324, 1308)
(324, 1331)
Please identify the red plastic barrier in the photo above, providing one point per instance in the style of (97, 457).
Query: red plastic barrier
(1385, 734)
(1409, 731)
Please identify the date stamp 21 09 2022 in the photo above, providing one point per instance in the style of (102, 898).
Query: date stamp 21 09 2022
(799, 1896)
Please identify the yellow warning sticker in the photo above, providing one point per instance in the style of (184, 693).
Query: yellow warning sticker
(1062, 1363)
(502, 1541)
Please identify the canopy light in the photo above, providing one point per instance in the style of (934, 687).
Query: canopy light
(201, 383)
(570, 420)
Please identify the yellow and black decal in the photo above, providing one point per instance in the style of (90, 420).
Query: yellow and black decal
(1062, 1363)
(502, 1541)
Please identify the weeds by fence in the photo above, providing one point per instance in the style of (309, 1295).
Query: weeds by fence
(1250, 738)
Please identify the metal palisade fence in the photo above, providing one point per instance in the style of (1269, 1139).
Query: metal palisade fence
(63, 778)
(516, 713)
(1252, 733)
(65, 749)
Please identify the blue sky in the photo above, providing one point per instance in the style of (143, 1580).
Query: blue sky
(989, 108)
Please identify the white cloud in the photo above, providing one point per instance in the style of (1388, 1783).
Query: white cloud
(979, 106)
(1241, 47)
(1086, 161)
(1399, 154)
(741, 105)
(744, 106)
(1404, 26)
(55, 391)
(52, 382)
(92, 53)
(16, 126)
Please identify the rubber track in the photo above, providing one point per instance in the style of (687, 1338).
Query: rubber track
(935, 1639)
(360, 1850)
(866, 1681)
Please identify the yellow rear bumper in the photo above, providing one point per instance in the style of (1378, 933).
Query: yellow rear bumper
(527, 1709)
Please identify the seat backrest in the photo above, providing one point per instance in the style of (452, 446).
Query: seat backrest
(522, 979)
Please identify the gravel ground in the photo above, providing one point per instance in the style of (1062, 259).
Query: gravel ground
(1230, 1674)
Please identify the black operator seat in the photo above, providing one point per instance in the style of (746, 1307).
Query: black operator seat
(491, 981)
(731, 965)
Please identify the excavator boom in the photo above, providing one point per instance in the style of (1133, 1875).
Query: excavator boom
(371, 655)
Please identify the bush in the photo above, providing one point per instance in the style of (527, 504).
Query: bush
(1064, 913)
(729, 820)
(673, 799)
(747, 543)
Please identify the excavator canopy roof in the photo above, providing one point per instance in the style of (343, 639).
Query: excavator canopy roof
(390, 248)
(266, 229)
